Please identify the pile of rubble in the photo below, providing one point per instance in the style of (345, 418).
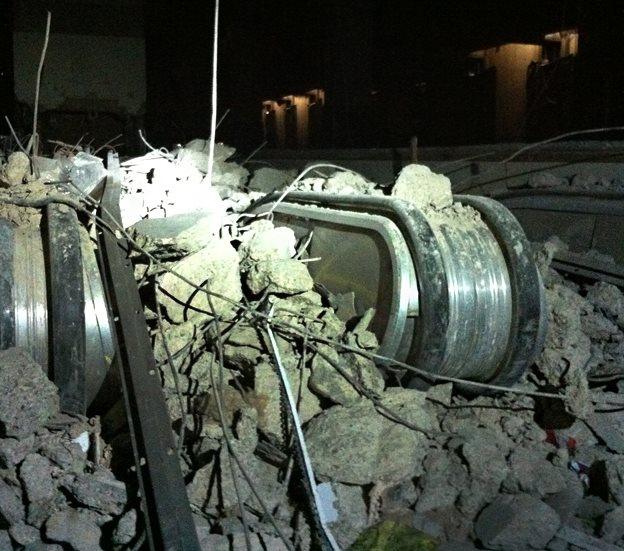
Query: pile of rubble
(430, 467)
(583, 181)
(54, 493)
(492, 472)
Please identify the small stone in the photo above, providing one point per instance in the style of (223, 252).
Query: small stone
(28, 399)
(356, 445)
(126, 528)
(282, 276)
(74, 527)
(516, 522)
(24, 534)
(99, 491)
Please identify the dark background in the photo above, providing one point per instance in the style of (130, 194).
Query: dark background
(391, 69)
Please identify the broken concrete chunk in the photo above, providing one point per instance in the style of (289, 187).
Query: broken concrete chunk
(546, 180)
(608, 299)
(40, 488)
(348, 183)
(67, 455)
(516, 522)
(16, 168)
(282, 276)
(12, 451)
(28, 399)
(614, 469)
(99, 491)
(87, 173)
(268, 391)
(126, 528)
(410, 405)
(423, 188)
(74, 527)
(568, 501)
(485, 476)
(530, 472)
(267, 179)
(356, 445)
(11, 507)
(25, 535)
(328, 382)
(567, 347)
(581, 540)
(612, 529)
(443, 478)
(215, 268)
(608, 426)
(352, 516)
(269, 244)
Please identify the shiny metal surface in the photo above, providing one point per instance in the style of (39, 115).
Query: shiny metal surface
(30, 295)
(29, 305)
(366, 254)
(471, 292)
(480, 306)
(99, 348)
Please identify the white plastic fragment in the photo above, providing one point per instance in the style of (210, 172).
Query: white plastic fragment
(83, 441)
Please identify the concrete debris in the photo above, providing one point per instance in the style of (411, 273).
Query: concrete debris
(352, 514)
(281, 276)
(49, 490)
(516, 522)
(263, 242)
(492, 472)
(585, 181)
(269, 394)
(338, 437)
(75, 528)
(16, 169)
(267, 179)
(338, 183)
(423, 188)
(28, 399)
(216, 267)
(340, 387)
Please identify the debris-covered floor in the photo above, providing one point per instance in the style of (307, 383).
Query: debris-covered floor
(398, 468)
